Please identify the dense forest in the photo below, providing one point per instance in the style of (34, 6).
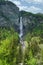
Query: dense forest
(10, 53)
(9, 41)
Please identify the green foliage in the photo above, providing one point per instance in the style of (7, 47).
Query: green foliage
(28, 37)
(34, 56)
(32, 61)
(35, 45)
(9, 40)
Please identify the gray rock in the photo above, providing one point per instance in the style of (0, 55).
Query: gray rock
(9, 15)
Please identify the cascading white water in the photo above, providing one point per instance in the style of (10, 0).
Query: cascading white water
(21, 39)
(21, 27)
(24, 44)
(21, 31)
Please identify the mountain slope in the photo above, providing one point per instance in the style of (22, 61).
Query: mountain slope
(32, 21)
(9, 15)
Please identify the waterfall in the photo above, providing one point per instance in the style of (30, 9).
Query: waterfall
(21, 39)
(21, 31)
(24, 44)
(21, 28)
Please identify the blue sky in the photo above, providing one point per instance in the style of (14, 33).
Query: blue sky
(34, 6)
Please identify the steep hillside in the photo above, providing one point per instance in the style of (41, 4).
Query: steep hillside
(9, 15)
(32, 22)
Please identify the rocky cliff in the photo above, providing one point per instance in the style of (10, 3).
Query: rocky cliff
(9, 15)
(32, 21)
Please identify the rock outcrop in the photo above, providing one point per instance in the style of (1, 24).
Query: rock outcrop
(9, 15)
(31, 21)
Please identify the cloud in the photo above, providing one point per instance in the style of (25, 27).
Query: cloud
(32, 9)
(34, 1)
(17, 2)
(23, 7)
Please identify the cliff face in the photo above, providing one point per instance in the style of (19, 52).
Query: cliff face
(9, 15)
(32, 21)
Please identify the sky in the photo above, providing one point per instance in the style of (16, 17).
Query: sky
(34, 6)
